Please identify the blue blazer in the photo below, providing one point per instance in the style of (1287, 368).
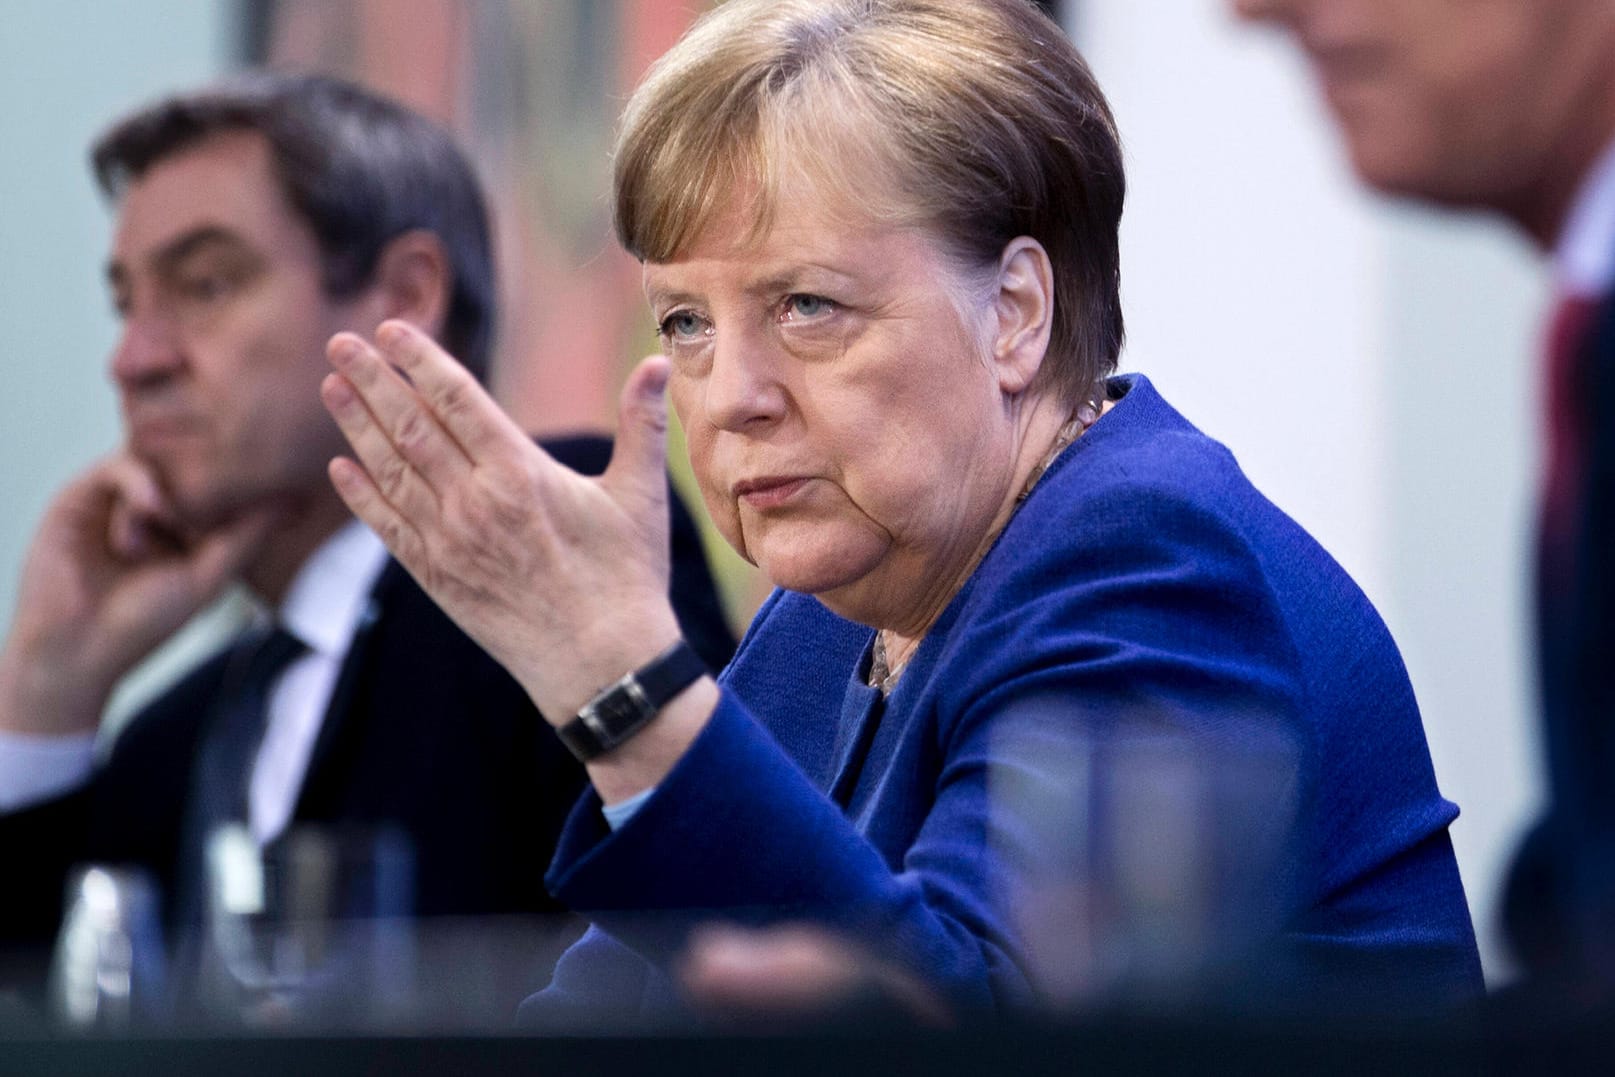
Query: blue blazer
(1145, 593)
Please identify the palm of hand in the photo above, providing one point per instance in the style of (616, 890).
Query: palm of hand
(104, 583)
(561, 578)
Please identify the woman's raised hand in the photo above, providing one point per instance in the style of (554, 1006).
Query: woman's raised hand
(560, 577)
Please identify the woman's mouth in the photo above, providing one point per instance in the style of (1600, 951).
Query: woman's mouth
(770, 491)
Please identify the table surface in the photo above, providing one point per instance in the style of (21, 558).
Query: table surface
(1484, 1043)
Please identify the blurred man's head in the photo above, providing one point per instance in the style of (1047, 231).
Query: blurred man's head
(1495, 103)
(256, 219)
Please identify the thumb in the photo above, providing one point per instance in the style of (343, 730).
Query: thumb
(638, 467)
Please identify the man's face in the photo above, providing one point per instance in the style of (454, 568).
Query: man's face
(217, 281)
(1461, 101)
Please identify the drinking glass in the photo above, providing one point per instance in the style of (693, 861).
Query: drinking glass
(1152, 862)
(109, 969)
(311, 931)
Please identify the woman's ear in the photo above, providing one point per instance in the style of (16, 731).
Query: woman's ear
(1024, 306)
(413, 281)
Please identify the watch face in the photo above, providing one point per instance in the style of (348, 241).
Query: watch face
(619, 711)
(615, 713)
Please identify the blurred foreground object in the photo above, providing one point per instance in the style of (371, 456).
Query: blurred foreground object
(798, 976)
(312, 932)
(109, 972)
(1162, 870)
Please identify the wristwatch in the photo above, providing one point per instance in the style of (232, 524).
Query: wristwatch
(622, 709)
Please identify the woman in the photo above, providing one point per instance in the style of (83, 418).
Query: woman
(879, 240)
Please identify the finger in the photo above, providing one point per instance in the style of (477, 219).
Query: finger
(133, 538)
(360, 493)
(476, 423)
(770, 970)
(638, 465)
(399, 412)
(140, 520)
(135, 485)
(394, 477)
(802, 970)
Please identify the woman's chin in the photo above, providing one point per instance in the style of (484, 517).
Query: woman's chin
(820, 569)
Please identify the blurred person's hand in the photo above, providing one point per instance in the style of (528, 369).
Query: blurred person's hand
(109, 575)
(801, 974)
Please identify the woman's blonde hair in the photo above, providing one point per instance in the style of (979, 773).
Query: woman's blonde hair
(975, 119)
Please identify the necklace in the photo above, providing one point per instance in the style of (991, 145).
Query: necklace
(882, 674)
(1086, 415)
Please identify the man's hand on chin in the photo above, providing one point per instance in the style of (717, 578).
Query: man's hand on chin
(111, 572)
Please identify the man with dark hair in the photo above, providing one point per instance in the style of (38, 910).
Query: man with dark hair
(255, 220)
(1509, 106)
(357, 169)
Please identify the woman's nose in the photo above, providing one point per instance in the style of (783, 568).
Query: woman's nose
(743, 388)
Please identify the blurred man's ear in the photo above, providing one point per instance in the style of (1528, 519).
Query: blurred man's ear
(413, 281)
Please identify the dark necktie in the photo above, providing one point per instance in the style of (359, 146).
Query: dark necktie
(229, 747)
(1567, 603)
(1568, 428)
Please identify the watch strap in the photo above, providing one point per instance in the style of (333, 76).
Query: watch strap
(622, 709)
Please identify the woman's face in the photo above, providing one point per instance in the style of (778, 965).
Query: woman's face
(851, 435)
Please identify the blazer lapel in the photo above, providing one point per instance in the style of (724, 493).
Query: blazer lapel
(861, 710)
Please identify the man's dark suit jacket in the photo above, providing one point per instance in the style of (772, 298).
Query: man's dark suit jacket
(1560, 905)
(425, 732)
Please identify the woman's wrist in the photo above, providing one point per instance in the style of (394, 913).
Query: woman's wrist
(645, 759)
(621, 709)
(560, 681)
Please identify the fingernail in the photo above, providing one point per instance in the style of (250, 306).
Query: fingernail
(656, 382)
(391, 333)
(132, 542)
(338, 393)
(342, 476)
(342, 350)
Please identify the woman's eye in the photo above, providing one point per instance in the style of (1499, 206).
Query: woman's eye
(682, 325)
(807, 306)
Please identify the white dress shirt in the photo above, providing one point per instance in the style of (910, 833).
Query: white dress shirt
(1584, 256)
(325, 607)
